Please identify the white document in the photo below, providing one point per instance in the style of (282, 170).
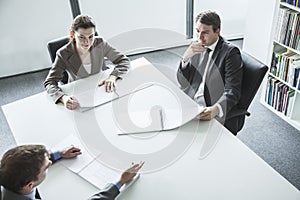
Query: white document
(78, 163)
(95, 97)
(159, 120)
(156, 108)
(87, 166)
(142, 122)
(99, 175)
(98, 96)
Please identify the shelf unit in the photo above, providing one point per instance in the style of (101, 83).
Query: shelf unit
(282, 90)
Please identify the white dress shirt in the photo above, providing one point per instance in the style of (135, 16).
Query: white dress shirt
(199, 95)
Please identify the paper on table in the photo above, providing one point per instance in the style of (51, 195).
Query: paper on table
(163, 112)
(95, 97)
(173, 118)
(141, 122)
(98, 96)
(99, 175)
(88, 167)
(159, 120)
(78, 163)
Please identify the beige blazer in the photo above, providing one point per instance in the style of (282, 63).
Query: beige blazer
(67, 59)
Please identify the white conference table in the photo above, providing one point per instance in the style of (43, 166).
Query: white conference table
(200, 160)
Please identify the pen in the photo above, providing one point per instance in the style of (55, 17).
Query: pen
(161, 119)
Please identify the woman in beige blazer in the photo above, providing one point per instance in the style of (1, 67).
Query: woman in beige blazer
(81, 57)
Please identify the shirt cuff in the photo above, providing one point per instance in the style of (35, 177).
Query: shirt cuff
(56, 155)
(118, 185)
(184, 64)
(220, 110)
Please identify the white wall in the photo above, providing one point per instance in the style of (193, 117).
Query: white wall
(138, 24)
(26, 26)
(259, 29)
(233, 15)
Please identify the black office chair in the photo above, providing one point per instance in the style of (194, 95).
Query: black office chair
(53, 46)
(253, 74)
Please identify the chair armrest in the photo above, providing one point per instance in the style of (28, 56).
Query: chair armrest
(238, 112)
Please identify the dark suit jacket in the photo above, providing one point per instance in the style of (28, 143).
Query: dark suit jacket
(223, 81)
(110, 192)
(9, 195)
(67, 59)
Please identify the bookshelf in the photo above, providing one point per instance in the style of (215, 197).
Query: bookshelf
(282, 90)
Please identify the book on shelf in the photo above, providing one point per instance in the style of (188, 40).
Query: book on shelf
(298, 87)
(267, 94)
(294, 30)
(293, 73)
(284, 25)
(285, 95)
(287, 28)
(279, 95)
(285, 65)
(296, 76)
(276, 59)
(288, 32)
(280, 26)
(293, 2)
(290, 99)
(271, 91)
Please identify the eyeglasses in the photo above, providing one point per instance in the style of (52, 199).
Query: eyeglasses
(83, 38)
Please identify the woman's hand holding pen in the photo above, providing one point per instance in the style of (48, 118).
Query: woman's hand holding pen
(109, 83)
(70, 102)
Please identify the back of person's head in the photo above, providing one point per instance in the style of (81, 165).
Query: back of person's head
(83, 21)
(209, 18)
(21, 165)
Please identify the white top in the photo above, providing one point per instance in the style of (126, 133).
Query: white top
(200, 92)
(88, 68)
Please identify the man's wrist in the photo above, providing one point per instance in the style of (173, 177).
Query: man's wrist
(185, 60)
(118, 184)
(183, 63)
(220, 110)
(56, 155)
(62, 99)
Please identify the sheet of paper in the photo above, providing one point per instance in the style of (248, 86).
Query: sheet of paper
(174, 118)
(81, 161)
(99, 174)
(95, 97)
(141, 122)
(164, 112)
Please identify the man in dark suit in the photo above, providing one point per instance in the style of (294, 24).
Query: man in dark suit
(211, 72)
(24, 167)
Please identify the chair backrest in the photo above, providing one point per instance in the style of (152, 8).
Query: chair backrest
(56, 44)
(253, 74)
(53, 46)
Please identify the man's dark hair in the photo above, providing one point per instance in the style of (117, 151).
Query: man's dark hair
(209, 18)
(21, 165)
